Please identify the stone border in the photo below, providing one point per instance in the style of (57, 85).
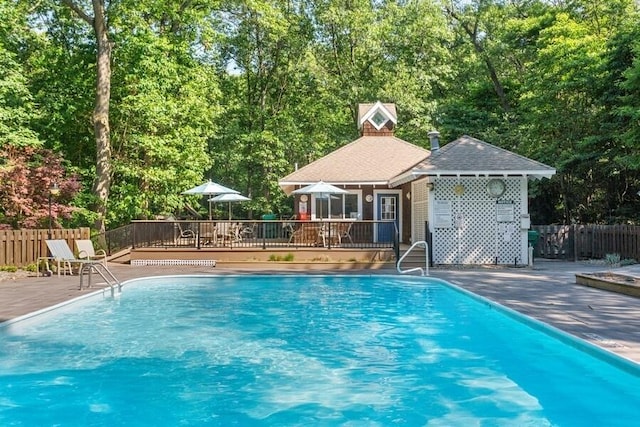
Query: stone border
(628, 285)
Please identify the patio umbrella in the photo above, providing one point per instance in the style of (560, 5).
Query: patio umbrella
(321, 189)
(210, 188)
(229, 197)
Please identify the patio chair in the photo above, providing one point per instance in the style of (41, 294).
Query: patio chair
(344, 231)
(86, 251)
(330, 234)
(309, 234)
(63, 256)
(182, 233)
(228, 232)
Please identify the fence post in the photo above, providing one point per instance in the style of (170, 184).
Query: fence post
(574, 230)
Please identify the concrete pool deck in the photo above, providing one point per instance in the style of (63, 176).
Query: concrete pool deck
(547, 292)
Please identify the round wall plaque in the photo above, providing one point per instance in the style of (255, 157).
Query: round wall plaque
(369, 198)
(304, 198)
(496, 187)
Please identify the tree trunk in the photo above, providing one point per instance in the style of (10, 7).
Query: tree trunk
(101, 114)
(101, 128)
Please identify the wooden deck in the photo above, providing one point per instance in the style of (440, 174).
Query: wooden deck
(284, 257)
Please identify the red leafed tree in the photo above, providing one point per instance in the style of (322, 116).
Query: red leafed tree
(26, 174)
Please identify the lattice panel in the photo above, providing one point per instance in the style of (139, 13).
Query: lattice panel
(420, 210)
(475, 235)
(162, 262)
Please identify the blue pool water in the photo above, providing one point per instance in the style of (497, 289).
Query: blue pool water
(301, 351)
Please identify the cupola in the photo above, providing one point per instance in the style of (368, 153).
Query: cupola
(377, 119)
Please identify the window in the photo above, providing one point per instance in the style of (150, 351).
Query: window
(388, 205)
(351, 206)
(342, 206)
(378, 119)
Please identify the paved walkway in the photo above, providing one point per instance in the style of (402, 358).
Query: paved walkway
(547, 292)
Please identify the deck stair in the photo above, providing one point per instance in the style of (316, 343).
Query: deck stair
(415, 258)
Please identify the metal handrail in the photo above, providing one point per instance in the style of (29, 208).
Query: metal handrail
(93, 266)
(423, 271)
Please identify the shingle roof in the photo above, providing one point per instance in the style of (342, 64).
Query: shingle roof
(367, 160)
(470, 156)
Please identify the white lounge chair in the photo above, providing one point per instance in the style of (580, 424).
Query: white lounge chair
(87, 251)
(63, 256)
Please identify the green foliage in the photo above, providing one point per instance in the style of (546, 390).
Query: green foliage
(8, 268)
(612, 260)
(17, 108)
(242, 93)
(277, 258)
(27, 174)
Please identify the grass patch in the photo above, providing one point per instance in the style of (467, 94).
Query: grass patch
(278, 258)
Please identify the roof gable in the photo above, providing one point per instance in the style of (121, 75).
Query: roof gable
(470, 156)
(370, 160)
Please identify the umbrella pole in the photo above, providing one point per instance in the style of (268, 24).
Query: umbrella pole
(229, 211)
(209, 211)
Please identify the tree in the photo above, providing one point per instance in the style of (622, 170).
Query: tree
(99, 23)
(390, 52)
(264, 72)
(26, 175)
(17, 109)
(164, 109)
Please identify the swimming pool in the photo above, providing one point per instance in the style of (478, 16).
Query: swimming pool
(302, 351)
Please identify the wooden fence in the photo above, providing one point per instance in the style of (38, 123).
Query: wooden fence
(23, 247)
(574, 242)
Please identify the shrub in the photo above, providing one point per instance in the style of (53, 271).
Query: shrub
(612, 260)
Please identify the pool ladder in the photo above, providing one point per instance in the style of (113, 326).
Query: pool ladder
(423, 271)
(104, 272)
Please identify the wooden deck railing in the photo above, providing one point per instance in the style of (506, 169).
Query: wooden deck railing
(260, 234)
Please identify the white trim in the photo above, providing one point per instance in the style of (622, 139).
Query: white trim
(486, 173)
(416, 173)
(378, 106)
(524, 210)
(313, 181)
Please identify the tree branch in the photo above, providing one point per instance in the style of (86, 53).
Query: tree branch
(73, 6)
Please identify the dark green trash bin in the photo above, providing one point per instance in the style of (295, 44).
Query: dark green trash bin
(269, 231)
(533, 237)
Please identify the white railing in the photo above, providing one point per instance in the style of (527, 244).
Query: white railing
(423, 271)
